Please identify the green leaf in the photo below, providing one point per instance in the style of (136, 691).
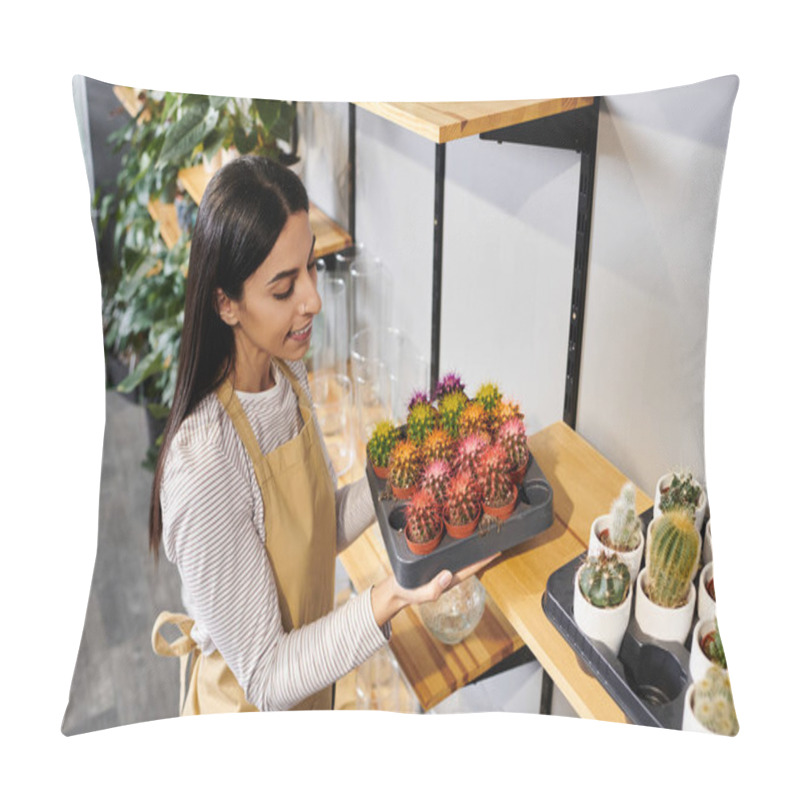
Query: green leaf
(268, 112)
(158, 410)
(244, 142)
(149, 365)
(186, 134)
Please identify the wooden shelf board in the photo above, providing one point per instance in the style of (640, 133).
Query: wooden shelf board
(446, 122)
(167, 218)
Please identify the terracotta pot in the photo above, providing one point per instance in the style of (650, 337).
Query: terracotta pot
(461, 531)
(380, 472)
(423, 548)
(503, 512)
(403, 494)
(518, 474)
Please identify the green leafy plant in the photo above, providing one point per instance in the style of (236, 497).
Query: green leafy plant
(604, 581)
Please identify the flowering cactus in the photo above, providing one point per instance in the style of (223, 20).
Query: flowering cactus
(404, 464)
(468, 452)
(423, 517)
(713, 702)
(422, 419)
(511, 437)
(449, 384)
(604, 581)
(488, 396)
(496, 485)
(382, 442)
(625, 528)
(435, 478)
(439, 445)
(673, 545)
(450, 408)
(462, 502)
(474, 419)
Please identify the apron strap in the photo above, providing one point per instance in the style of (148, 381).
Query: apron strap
(183, 647)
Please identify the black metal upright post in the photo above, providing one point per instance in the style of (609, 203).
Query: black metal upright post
(438, 225)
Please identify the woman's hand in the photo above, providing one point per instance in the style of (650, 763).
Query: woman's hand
(389, 597)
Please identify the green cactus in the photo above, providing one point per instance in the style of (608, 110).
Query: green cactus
(404, 464)
(625, 527)
(604, 581)
(422, 419)
(673, 545)
(382, 442)
(488, 396)
(435, 478)
(450, 408)
(462, 502)
(713, 702)
(712, 647)
(423, 517)
(683, 492)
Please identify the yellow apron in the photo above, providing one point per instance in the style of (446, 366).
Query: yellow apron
(300, 525)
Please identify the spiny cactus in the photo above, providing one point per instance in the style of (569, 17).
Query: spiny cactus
(404, 464)
(448, 384)
(468, 452)
(488, 396)
(473, 419)
(625, 527)
(604, 581)
(382, 442)
(416, 398)
(504, 411)
(438, 445)
(435, 478)
(450, 408)
(511, 437)
(712, 647)
(462, 502)
(713, 702)
(496, 485)
(422, 419)
(673, 545)
(682, 492)
(423, 517)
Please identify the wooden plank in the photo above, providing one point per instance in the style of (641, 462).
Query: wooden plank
(129, 98)
(446, 122)
(330, 236)
(167, 218)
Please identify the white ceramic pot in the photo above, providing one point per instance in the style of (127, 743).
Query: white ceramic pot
(606, 625)
(702, 503)
(699, 662)
(708, 555)
(632, 559)
(665, 624)
(690, 721)
(706, 606)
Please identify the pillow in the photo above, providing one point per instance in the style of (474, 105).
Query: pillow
(508, 253)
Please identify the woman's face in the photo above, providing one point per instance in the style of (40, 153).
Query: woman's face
(279, 300)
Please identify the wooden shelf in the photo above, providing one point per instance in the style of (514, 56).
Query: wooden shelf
(446, 122)
(167, 218)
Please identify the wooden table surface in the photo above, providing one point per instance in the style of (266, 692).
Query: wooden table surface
(445, 122)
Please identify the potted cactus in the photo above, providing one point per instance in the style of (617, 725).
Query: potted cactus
(421, 420)
(620, 532)
(462, 505)
(602, 599)
(380, 445)
(488, 395)
(708, 706)
(424, 527)
(468, 452)
(498, 490)
(665, 594)
(474, 419)
(706, 648)
(511, 437)
(680, 489)
(404, 468)
(706, 597)
(439, 445)
(435, 477)
(450, 408)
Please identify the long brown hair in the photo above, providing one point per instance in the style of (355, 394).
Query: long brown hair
(243, 211)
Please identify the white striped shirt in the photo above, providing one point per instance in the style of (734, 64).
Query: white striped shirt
(213, 530)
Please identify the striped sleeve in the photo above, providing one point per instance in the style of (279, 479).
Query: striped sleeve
(211, 536)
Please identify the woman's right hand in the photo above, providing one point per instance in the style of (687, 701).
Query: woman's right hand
(389, 597)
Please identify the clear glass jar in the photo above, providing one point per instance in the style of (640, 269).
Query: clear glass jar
(456, 613)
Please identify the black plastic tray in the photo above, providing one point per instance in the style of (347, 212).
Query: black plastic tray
(649, 677)
(532, 515)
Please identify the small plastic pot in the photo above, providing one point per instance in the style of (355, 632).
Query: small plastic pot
(423, 548)
(461, 531)
(502, 512)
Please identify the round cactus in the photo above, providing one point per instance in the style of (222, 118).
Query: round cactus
(511, 437)
(504, 411)
(450, 408)
(473, 419)
(468, 452)
(713, 702)
(423, 517)
(488, 396)
(673, 546)
(496, 485)
(422, 419)
(380, 445)
(404, 464)
(462, 502)
(435, 478)
(683, 492)
(625, 528)
(712, 647)
(449, 384)
(604, 581)
(439, 445)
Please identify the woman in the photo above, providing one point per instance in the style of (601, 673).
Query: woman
(243, 496)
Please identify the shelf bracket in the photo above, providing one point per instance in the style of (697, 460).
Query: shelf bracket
(572, 130)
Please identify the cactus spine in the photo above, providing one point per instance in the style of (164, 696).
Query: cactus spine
(404, 464)
(673, 546)
(462, 499)
(625, 528)
(439, 445)
(449, 384)
(435, 478)
(488, 396)
(511, 437)
(604, 581)
(422, 419)
(451, 407)
(473, 419)
(382, 442)
(468, 452)
(423, 517)
(713, 702)
(496, 485)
